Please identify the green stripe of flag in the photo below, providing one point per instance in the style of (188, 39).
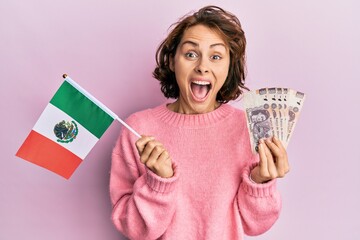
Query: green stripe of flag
(82, 109)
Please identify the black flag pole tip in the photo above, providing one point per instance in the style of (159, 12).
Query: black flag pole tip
(64, 75)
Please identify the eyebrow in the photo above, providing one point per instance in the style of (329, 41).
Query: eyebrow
(196, 44)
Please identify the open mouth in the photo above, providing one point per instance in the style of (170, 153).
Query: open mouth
(200, 89)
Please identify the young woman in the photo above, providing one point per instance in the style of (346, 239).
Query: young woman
(192, 174)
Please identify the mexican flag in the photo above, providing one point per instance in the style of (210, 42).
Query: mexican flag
(69, 127)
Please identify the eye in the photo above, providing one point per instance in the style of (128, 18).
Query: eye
(216, 57)
(191, 55)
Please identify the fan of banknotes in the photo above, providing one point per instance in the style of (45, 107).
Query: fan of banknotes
(272, 112)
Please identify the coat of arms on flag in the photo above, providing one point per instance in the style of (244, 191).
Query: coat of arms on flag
(69, 127)
(66, 131)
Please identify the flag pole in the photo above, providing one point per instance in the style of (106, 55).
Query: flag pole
(128, 127)
(65, 76)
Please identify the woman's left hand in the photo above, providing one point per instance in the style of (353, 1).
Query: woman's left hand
(273, 161)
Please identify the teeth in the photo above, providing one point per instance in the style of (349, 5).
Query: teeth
(201, 82)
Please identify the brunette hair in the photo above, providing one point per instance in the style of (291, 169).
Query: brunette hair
(224, 23)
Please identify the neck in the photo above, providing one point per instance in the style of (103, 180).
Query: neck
(178, 107)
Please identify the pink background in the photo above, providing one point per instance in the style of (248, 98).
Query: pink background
(108, 47)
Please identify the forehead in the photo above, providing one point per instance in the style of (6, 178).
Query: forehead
(203, 34)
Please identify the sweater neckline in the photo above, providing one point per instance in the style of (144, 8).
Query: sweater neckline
(193, 120)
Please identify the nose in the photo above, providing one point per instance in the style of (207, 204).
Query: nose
(202, 66)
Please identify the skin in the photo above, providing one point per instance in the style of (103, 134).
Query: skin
(273, 161)
(155, 157)
(202, 55)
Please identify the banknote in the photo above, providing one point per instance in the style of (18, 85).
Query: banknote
(296, 101)
(285, 112)
(281, 112)
(264, 99)
(272, 112)
(258, 115)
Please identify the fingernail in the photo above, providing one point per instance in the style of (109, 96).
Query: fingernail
(261, 141)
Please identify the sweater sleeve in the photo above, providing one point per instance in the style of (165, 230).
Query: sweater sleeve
(143, 203)
(259, 204)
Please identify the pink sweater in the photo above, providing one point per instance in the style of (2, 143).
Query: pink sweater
(210, 195)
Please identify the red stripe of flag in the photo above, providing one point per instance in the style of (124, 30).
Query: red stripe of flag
(48, 154)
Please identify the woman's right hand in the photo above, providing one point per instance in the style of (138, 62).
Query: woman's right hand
(154, 156)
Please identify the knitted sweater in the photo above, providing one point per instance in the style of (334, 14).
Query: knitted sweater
(210, 195)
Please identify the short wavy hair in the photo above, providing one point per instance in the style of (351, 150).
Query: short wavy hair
(224, 23)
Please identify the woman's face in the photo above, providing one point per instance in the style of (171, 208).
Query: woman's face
(201, 65)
